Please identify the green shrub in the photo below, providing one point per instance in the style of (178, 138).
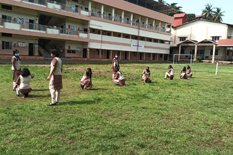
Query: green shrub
(198, 59)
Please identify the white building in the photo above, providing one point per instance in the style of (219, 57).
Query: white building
(210, 40)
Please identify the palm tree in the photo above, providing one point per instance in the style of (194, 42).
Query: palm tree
(208, 11)
(174, 5)
(218, 14)
(162, 2)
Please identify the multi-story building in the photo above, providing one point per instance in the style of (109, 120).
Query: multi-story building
(213, 41)
(136, 30)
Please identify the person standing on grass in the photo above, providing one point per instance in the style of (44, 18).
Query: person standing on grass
(16, 67)
(170, 73)
(183, 74)
(55, 77)
(146, 75)
(86, 80)
(23, 83)
(189, 72)
(119, 78)
(115, 64)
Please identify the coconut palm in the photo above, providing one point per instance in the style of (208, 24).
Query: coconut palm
(162, 2)
(218, 14)
(174, 5)
(208, 11)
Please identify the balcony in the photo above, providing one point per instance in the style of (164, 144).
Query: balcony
(9, 24)
(125, 21)
(57, 6)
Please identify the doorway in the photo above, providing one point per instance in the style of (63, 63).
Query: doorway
(140, 56)
(31, 24)
(84, 53)
(108, 54)
(126, 55)
(31, 49)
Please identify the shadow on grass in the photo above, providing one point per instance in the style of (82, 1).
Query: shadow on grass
(76, 102)
(40, 89)
(38, 96)
(97, 89)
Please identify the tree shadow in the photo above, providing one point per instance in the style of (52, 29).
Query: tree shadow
(35, 96)
(76, 102)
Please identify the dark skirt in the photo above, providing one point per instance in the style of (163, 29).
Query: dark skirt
(57, 82)
(122, 82)
(86, 82)
(15, 75)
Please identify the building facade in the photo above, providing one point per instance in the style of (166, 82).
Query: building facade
(85, 29)
(202, 38)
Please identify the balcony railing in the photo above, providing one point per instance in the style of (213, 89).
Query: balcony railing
(42, 28)
(63, 6)
(126, 21)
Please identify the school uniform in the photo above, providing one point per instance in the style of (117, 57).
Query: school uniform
(120, 80)
(86, 80)
(23, 85)
(17, 62)
(170, 74)
(146, 76)
(190, 73)
(55, 83)
(115, 65)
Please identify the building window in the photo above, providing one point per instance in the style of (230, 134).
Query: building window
(182, 51)
(6, 35)
(7, 7)
(6, 45)
(68, 51)
(73, 51)
(182, 38)
(6, 18)
(161, 56)
(211, 52)
(98, 52)
(215, 38)
(227, 53)
(134, 54)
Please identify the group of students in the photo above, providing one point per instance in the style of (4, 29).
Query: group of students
(184, 73)
(22, 79)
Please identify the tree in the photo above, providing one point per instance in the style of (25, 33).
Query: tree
(208, 11)
(191, 17)
(174, 5)
(162, 2)
(218, 14)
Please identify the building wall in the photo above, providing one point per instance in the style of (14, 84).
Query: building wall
(230, 32)
(15, 39)
(198, 31)
(73, 46)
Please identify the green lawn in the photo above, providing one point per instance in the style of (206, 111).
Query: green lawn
(193, 116)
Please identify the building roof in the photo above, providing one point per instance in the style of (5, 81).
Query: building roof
(198, 16)
(153, 5)
(225, 42)
(180, 15)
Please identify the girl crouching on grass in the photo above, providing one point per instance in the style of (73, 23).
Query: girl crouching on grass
(170, 73)
(189, 72)
(183, 74)
(119, 78)
(86, 80)
(146, 75)
(23, 83)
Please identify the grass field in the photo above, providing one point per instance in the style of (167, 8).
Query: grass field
(193, 116)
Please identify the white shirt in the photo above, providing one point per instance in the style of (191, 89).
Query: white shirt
(17, 64)
(121, 77)
(172, 71)
(57, 71)
(25, 82)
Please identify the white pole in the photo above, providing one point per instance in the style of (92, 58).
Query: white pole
(216, 69)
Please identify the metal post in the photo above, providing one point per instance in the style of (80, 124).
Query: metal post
(216, 69)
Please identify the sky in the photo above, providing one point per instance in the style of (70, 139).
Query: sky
(196, 7)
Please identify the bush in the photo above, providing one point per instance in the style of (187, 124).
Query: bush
(198, 59)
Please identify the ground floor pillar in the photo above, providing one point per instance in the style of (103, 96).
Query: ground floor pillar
(88, 53)
(195, 55)
(213, 57)
(151, 56)
(224, 53)
(100, 52)
(179, 52)
(129, 56)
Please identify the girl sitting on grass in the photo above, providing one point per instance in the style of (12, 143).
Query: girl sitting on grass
(189, 72)
(23, 83)
(86, 80)
(146, 75)
(170, 73)
(183, 74)
(119, 78)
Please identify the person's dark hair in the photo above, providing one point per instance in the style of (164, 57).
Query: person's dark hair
(188, 67)
(14, 51)
(184, 69)
(25, 72)
(148, 69)
(170, 66)
(116, 69)
(55, 52)
(89, 72)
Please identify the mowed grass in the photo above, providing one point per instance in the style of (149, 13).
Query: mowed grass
(193, 116)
